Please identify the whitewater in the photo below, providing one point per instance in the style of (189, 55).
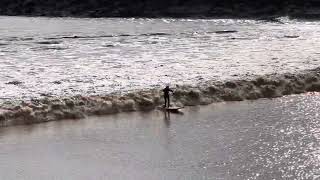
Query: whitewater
(54, 64)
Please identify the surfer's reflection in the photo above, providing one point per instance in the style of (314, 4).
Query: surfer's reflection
(167, 114)
(167, 118)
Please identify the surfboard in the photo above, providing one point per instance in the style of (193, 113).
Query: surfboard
(172, 109)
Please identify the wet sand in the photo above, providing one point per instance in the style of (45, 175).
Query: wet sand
(263, 139)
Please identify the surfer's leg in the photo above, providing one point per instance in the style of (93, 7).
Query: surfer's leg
(168, 101)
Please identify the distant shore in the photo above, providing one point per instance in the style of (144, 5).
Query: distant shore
(166, 8)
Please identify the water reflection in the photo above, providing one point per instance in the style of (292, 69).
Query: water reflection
(167, 118)
(265, 139)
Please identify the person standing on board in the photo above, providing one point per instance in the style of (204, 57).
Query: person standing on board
(166, 96)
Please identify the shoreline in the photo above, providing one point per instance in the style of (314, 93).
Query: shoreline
(78, 107)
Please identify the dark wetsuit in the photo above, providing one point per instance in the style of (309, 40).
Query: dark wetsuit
(166, 96)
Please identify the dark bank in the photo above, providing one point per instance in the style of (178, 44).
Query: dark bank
(166, 8)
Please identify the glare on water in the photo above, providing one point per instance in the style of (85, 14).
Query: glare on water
(263, 139)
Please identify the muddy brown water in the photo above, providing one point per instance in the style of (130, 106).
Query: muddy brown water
(264, 139)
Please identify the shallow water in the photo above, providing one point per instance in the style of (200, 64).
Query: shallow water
(68, 56)
(263, 139)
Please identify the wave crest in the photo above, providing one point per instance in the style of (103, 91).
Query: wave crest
(58, 108)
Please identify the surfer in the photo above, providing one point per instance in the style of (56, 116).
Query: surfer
(166, 96)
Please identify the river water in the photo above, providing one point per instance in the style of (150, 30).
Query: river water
(68, 56)
(263, 139)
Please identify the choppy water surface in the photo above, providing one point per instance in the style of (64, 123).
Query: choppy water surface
(66, 56)
(264, 139)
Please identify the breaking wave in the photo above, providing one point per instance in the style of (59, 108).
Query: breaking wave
(76, 107)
